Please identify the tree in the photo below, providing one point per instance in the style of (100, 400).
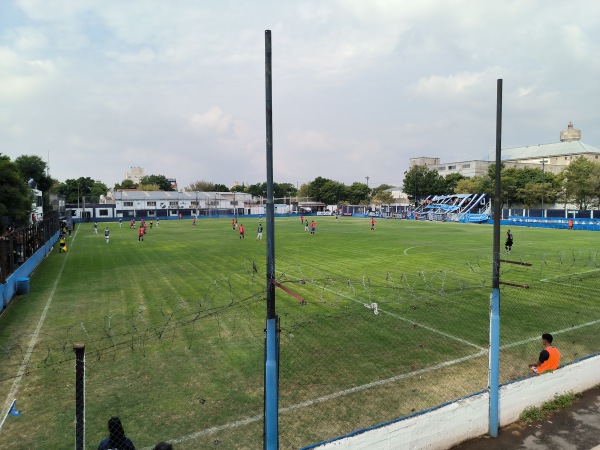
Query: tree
(469, 186)
(421, 181)
(126, 184)
(158, 180)
(33, 167)
(257, 190)
(15, 196)
(238, 188)
(284, 190)
(357, 193)
(314, 188)
(221, 188)
(383, 198)
(332, 192)
(578, 181)
(75, 190)
(451, 181)
(209, 186)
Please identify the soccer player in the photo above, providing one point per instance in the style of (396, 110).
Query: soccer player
(193, 221)
(306, 226)
(241, 229)
(509, 242)
(313, 225)
(157, 222)
(372, 223)
(233, 223)
(302, 220)
(95, 227)
(549, 357)
(141, 233)
(570, 224)
(106, 234)
(259, 235)
(120, 223)
(152, 223)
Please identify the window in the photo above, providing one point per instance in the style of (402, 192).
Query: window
(175, 204)
(441, 168)
(196, 203)
(151, 203)
(451, 167)
(596, 156)
(103, 212)
(565, 157)
(151, 213)
(466, 166)
(127, 203)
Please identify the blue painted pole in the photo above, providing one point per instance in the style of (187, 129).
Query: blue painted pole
(271, 388)
(494, 363)
(494, 369)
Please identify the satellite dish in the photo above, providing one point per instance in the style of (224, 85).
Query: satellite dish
(31, 183)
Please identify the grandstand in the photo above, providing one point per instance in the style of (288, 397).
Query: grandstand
(454, 208)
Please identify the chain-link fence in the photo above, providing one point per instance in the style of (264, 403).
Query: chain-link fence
(364, 349)
(17, 245)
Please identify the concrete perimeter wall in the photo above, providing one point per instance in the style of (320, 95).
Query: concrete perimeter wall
(450, 424)
(9, 289)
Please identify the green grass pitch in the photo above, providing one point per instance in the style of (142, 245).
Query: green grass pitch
(395, 321)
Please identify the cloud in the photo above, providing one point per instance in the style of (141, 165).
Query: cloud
(358, 87)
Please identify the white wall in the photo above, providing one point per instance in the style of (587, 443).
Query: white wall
(464, 419)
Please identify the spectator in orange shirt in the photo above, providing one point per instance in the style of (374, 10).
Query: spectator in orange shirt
(549, 357)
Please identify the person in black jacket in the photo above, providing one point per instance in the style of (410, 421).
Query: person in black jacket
(116, 439)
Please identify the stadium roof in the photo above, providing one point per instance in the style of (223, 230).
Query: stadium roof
(546, 150)
(165, 195)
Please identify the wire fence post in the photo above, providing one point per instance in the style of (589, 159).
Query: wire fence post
(271, 422)
(494, 352)
(79, 350)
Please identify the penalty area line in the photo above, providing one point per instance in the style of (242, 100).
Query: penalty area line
(23, 367)
(426, 327)
(362, 387)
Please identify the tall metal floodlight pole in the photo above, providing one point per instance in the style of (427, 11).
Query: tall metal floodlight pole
(494, 363)
(271, 438)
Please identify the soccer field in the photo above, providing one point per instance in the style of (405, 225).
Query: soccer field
(395, 321)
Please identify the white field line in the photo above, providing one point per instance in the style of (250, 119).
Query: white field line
(362, 387)
(545, 280)
(574, 286)
(406, 251)
(325, 398)
(412, 322)
(15, 385)
(564, 330)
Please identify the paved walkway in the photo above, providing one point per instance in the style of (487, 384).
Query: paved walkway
(576, 428)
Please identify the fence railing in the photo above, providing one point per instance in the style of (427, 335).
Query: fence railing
(16, 246)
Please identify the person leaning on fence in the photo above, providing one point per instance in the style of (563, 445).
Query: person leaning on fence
(62, 245)
(116, 439)
(549, 357)
(163, 446)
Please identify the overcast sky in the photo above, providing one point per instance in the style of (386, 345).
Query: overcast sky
(359, 86)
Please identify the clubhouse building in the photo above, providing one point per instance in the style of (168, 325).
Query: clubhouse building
(549, 157)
